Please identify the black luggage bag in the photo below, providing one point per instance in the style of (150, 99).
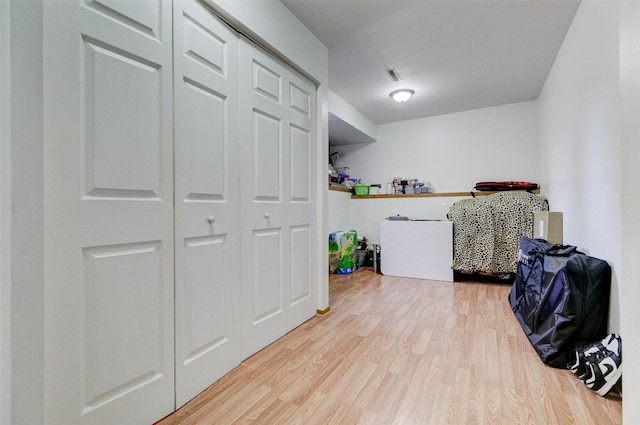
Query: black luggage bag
(560, 297)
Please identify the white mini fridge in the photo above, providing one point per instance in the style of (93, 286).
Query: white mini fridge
(421, 249)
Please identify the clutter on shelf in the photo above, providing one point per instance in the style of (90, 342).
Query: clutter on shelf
(338, 175)
(400, 185)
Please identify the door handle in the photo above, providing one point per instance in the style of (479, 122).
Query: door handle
(211, 219)
(267, 215)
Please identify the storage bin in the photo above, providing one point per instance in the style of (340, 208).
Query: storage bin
(343, 252)
(361, 189)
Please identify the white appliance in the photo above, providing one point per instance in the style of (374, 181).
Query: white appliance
(421, 249)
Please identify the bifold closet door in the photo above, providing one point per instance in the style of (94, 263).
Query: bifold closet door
(108, 313)
(301, 199)
(207, 192)
(263, 155)
(277, 199)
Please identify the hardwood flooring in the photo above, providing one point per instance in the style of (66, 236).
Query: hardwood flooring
(401, 351)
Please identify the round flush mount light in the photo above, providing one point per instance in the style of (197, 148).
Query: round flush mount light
(401, 95)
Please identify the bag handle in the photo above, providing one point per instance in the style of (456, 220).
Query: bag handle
(561, 250)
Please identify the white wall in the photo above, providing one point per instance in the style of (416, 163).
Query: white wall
(630, 135)
(5, 214)
(276, 27)
(589, 131)
(580, 138)
(453, 151)
(361, 125)
(27, 219)
(340, 218)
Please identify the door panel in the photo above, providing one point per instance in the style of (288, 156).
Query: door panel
(203, 287)
(109, 204)
(300, 289)
(266, 298)
(267, 78)
(144, 17)
(278, 247)
(205, 121)
(263, 150)
(207, 221)
(267, 154)
(122, 123)
(123, 284)
(301, 204)
(300, 180)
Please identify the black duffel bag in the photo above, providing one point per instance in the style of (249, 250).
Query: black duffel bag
(560, 297)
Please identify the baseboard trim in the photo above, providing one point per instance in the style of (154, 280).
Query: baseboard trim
(323, 312)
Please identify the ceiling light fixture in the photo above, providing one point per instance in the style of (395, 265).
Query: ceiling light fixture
(401, 95)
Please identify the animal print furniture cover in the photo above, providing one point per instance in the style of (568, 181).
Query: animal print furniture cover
(487, 230)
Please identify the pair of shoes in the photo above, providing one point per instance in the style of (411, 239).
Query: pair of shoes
(601, 362)
(604, 368)
(577, 359)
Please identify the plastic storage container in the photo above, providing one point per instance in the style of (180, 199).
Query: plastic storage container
(361, 189)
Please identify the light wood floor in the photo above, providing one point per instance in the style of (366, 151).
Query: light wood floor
(402, 351)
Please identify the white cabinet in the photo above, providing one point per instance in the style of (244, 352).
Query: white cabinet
(418, 249)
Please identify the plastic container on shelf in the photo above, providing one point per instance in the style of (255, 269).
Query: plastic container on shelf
(361, 189)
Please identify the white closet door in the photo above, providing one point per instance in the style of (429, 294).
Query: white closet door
(277, 109)
(301, 199)
(206, 199)
(108, 188)
(264, 154)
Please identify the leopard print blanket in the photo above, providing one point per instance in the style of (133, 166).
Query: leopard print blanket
(487, 230)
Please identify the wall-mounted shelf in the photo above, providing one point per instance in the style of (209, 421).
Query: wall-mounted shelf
(435, 195)
(340, 189)
(424, 195)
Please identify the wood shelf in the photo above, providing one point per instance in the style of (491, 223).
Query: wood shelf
(437, 195)
(340, 189)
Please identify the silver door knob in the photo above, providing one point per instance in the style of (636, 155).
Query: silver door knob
(267, 215)
(211, 219)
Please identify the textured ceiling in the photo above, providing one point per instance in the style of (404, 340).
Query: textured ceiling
(456, 55)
